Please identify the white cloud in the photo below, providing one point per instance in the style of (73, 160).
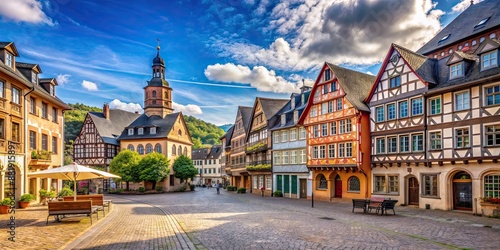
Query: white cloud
(131, 107)
(24, 11)
(63, 78)
(189, 109)
(369, 73)
(464, 4)
(258, 77)
(90, 86)
(354, 32)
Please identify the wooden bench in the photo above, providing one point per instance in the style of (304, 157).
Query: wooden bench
(375, 203)
(97, 200)
(359, 203)
(58, 208)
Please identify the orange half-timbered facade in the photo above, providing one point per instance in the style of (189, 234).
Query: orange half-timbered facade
(338, 141)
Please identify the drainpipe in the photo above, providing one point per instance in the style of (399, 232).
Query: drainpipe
(360, 154)
(25, 110)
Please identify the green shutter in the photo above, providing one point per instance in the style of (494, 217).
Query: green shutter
(287, 184)
(279, 182)
(294, 184)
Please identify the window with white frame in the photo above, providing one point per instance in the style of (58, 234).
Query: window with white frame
(395, 81)
(333, 128)
(324, 129)
(403, 109)
(285, 157)
(140, 131)
(315, 152)
(293, 157)
(303, 158)
(2, 89)
(277, 158)
(348, 125)
(435, 139)
(295, 116)
(456, 70)
(393, 183)
(268, 182)
(380, 145)
(255, 182)
(392, 144)
(322, 151)
(314, 111)
(140, 149)
(462, 101)
(130, 131)
(9, 60)
(391, 111)
(492, 186)
(276, 137)
(316, 131)
(492, 95)
(430, 185)
(331, 151)
(353, 184)
(293, 134)
(417, 142)
(341, 150)
(16, 95)
(435, 105)
(493, 135)
(341, 126)
(284, 136)
(130, 147)
(489, 60)
(302, 133)
(404, 143)
(348, 149)
(379, 113)
(462, 138)
(379, 184)
(416, 106)
(330, 106)
(339, 104)
(283, 119)
(152, 130)
(324, 108)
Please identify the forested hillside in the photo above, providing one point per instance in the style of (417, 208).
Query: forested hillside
(73, 119)
(225, 127)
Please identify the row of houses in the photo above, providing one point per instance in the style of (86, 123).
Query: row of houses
(424, 131)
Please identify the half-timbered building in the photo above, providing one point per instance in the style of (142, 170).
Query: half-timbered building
(258, 144)
(226, 156)
(338, 143)
(236, 167)
(435, 117)
(290, 173)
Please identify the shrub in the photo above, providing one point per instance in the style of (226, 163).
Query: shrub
(65, 191)
(182, 189)
(241, 190)
(119, 190)
(27, 198)
(159, 189)
(5, 202)
(44, 194)
(278, 193)
(191, 187)
(231, 188)
(141, 189)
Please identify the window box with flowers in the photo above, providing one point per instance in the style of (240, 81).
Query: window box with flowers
(490, 206)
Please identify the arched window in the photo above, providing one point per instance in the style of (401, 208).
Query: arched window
(322, 182)
(353, 184)
(149, 148)
(492, 185)
(130, 147)
(185, 151)
(174, 149)
(140, 149)
(158, 148)
(180, 132)
(179, 152)
(154, 93)
(166, 95)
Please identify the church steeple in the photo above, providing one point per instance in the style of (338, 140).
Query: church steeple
(158, 94)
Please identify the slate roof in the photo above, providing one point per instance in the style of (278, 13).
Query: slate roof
(199, 154)
(158, 82)
(421, 64)
(228, 135)
(110, 129)
(163, 126)
(4, 44)
(275, 122)
(462, 26)
(215, 152)
(246, 116)
(271, 106)
(355, 84)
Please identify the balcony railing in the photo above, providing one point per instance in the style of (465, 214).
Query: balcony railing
(257, 146)
(260, 166)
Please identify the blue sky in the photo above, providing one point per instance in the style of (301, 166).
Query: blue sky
(219, 54)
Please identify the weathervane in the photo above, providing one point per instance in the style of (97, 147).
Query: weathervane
(158, 47)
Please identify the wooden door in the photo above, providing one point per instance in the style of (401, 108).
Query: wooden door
(338, 187)
(413, 191)
(303, 188)
(462, 191)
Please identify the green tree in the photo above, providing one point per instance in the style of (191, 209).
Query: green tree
(184, 168)
(154, 167)
(126, 165)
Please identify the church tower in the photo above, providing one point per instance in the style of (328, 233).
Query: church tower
(158, 94)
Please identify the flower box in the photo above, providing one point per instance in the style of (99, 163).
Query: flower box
(490, 209)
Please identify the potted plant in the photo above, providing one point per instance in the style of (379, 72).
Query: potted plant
(25, 200)
(5, 205)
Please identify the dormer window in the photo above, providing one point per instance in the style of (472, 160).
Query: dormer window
(481, 23)
(489, 60)
(444, 39)
(140, 131)
(328, 74)
(292, 103)
(295, 116)
(456, 70)
(152, 130)
(283, 119)
(52, 90)
(8, 59)
(130, 131)
(302, 98)
(34, 77)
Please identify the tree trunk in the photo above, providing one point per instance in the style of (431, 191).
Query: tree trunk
(154, 185)
(128, 186)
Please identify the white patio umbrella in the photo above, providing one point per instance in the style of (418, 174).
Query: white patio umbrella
(73, 172)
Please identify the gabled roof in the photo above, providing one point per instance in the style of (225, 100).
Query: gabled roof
(199, 154)
(269, 107)
(356, 85)
(246, 116)
(275, 122)
(29, 66)
(110, 129)
(460, 56)
(4, 45)
(228, 135)
(48, 80)
(464, 25)
(215, 152)
(163, 126)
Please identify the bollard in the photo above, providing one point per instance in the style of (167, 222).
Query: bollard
(312, 199)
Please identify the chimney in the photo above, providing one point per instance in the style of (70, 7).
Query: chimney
(105, 111)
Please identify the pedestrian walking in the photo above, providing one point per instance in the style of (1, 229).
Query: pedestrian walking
(218, 188)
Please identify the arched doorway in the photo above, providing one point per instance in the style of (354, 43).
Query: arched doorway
(462, 191)
(413, 188)
(338, 187)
